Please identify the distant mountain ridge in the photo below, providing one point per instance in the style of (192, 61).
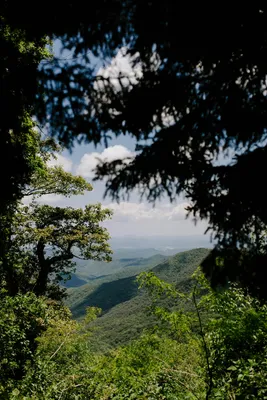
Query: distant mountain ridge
(87, 271)
(133, 248)
(161, 243)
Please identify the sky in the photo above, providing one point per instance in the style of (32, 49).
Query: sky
(134, 217)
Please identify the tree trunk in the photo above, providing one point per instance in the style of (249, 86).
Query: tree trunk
(8, 272)
(45, 267)
(41, 282)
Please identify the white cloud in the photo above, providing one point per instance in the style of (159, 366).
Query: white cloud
(27, 200)
(51, 199)
(140, 219)
(127, 211)
(89, 161)
(62, 161)
(120, 66)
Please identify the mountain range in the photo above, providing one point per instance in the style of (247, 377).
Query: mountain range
(124, 306)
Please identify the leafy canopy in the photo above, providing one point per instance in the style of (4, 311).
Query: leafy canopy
(19, 83)
(42, 241)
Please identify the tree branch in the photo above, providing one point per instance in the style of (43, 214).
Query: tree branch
(67, 255)
(41, 190)
(80, 258)
(60, 257)
(210, 375)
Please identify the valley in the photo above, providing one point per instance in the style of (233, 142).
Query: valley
(124, 307)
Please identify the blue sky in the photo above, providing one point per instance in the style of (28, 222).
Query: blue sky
(134, 217)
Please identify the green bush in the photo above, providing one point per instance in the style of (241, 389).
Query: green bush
(22, 319)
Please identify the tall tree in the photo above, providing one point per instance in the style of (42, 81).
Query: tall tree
(42, 241)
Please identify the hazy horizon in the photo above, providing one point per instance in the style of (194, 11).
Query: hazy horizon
(178, 242)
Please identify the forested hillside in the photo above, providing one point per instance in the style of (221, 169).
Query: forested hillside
(124, 307)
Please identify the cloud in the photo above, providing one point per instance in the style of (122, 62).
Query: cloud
(62, 161)
(46, 199)
(140, 219)
(89, 161)
(120, 66)
(51, 198)
(127, 211)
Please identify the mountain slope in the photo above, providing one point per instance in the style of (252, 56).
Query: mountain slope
(124, 306)
(109, 290)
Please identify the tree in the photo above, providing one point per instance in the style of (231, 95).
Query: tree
(237, 339)
(197, 91)
(22, 319)
(46, 241)
(42, 240)
(18, 139)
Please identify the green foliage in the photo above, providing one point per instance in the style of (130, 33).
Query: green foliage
(153, 367)
(230, 329)
(155, 286)
(22, 319)
(237, 339)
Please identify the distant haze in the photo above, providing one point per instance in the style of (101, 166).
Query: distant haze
(178, 243)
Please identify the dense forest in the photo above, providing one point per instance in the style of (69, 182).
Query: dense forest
(186, 326)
